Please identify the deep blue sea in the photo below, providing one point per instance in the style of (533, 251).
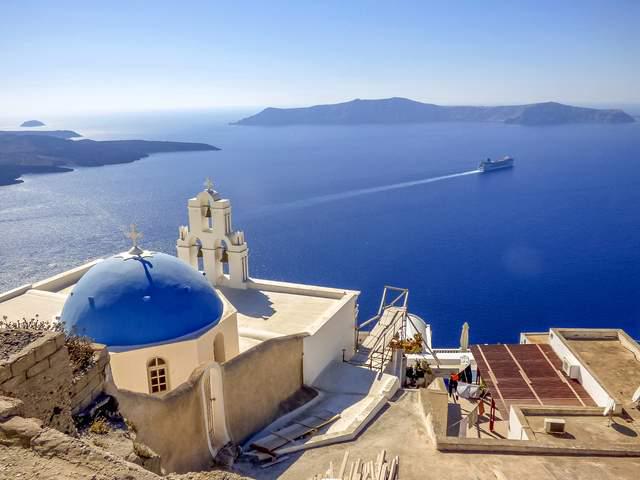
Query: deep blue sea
(553, 242)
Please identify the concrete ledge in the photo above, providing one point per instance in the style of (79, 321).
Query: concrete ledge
(64, 279)
(371, 406)
(374, 403)
(15, 292)
(523, 447)
(298, 288)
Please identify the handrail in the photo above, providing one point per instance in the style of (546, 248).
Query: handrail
(404, 293)
(384, 331)
(378, 348)
(367, 322)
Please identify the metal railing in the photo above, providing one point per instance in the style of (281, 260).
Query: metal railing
(380, 350)
(402, 295)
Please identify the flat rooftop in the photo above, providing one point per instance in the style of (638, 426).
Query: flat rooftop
(591, 429)
(276, 312)
(541, 338)
(611, 355)
(527, 374)
(266, 310)
(46, 305)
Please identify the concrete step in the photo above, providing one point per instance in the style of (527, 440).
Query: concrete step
(355, 393)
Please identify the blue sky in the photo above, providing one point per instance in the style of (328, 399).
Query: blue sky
(64, 56)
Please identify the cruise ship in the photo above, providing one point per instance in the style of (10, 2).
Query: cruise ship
(489, 165)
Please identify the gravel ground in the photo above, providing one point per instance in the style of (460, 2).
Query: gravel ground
(12, 341)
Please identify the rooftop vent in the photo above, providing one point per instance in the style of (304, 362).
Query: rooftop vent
(554, 425)
(571, 370)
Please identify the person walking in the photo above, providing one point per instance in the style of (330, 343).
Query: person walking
(453, 386)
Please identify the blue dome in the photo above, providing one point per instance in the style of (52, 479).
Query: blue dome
(128, 300)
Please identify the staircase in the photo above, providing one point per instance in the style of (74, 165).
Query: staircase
(374, 351)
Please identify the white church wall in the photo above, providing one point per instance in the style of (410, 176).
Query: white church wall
(324, 346)
(228, 328)
(183, 357)
(129, 367)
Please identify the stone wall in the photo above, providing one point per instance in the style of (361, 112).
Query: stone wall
(172, 425)
(258, 382)
(30, 450)
(86, 387)
(434, 401)
(39, 374)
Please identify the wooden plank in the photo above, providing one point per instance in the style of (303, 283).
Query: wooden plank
(274, 461)
(379, 462)
(263, 448)
(260, 456)
(288, 434)
(351, 470)
(372, 469)
(269, 444)
(343, 466)
(358, 465)
(282, 436)
(383, 472)
(393, 470)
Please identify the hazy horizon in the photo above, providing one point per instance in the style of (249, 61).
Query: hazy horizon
(76, 57)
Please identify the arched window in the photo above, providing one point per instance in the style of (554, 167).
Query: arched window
(199, 256)
(158, 375)
(218, 348)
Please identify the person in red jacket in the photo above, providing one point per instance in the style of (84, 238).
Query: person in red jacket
(453, 386)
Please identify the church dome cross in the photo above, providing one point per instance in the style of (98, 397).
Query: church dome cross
(134, 235)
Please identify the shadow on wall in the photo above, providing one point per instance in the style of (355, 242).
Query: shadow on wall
(172, 425)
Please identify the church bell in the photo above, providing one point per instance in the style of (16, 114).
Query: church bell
(207, 212)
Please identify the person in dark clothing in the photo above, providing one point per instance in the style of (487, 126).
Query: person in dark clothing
(453, 386)
(466, 375)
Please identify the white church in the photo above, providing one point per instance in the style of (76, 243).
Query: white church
(163, 317)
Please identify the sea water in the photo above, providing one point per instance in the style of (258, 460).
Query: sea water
(553, 242)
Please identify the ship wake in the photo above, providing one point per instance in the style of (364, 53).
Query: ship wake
(333, 197)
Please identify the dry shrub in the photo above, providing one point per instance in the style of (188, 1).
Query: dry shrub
(80, 352)
(79, 348)
(143, 451)
(99, 426)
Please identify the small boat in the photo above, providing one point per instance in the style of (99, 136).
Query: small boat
(489, 165)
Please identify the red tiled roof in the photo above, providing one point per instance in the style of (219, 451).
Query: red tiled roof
(527, 374)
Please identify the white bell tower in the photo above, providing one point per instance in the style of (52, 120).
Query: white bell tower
(209, 237)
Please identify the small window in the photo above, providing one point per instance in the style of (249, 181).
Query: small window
(158, 377)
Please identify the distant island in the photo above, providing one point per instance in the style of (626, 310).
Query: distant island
(402, 110)
(50, 133)
(32, 123)
(49, 152)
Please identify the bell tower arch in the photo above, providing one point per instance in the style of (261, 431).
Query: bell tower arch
(210, 236)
